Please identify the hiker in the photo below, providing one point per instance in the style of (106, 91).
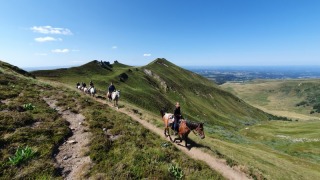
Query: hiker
(177, 117)
(111, 89)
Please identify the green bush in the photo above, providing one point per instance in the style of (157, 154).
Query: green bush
(21, 155)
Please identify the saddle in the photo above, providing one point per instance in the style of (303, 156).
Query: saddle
(171, 119)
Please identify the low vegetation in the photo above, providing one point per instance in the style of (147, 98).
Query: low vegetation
(28, 138)
(176, 171)
(120, 148)
(21, 155)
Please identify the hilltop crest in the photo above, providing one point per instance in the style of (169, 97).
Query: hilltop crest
(8, 67)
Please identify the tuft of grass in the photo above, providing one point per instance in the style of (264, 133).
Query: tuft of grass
(28, 106)
(22, 155)
(175, 171)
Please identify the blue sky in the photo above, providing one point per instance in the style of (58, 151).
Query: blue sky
(37, 33)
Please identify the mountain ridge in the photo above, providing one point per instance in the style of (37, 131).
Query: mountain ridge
(160, 84)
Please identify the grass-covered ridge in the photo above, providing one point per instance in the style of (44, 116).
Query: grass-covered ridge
(160, 84)
(124, 149)
(10, 68)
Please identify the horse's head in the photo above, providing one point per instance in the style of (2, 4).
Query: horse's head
(200, 130)
(162, 112)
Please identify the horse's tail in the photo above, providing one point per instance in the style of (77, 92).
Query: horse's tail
(162, 112)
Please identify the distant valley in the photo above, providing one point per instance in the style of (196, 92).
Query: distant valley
(224, 74)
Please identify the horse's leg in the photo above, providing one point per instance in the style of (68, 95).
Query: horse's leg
(174, 140)
(186, 141)
(168, 133)
(178, 138)
(165, 129)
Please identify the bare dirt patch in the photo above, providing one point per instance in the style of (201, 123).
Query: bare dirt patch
(72, 158)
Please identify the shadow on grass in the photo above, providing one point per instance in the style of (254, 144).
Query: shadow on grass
(192, 144)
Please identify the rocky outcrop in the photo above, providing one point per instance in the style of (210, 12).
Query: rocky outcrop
(160, 82)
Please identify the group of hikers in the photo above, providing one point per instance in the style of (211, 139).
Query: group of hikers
(84, 85)
(111, 87)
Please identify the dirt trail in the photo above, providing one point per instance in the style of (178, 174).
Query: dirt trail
(217, 164)
(71, 158)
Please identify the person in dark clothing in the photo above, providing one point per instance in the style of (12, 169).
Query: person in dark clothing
(91, 85)
(177, 117)
(111, 88)
(78, 84)
(84, 85)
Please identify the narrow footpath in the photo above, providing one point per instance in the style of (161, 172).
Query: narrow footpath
(71, 158)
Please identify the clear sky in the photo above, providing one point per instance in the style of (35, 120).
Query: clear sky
(135, 32)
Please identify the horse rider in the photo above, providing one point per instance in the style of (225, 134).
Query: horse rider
(84, 85)
(78, 84)
(177, 117)
(111, 88)
(91, 85)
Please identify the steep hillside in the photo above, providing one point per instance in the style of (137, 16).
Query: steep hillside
(32, 130)
(159, 85)
(14, 69)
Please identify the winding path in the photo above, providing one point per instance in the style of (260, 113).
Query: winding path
(71, 157)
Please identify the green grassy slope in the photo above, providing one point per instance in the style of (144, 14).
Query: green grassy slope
(298, 98)
(43, 130)
(160, 84)
(14, 69)
(256, 148)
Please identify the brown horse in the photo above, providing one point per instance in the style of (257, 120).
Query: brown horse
(186, 127)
